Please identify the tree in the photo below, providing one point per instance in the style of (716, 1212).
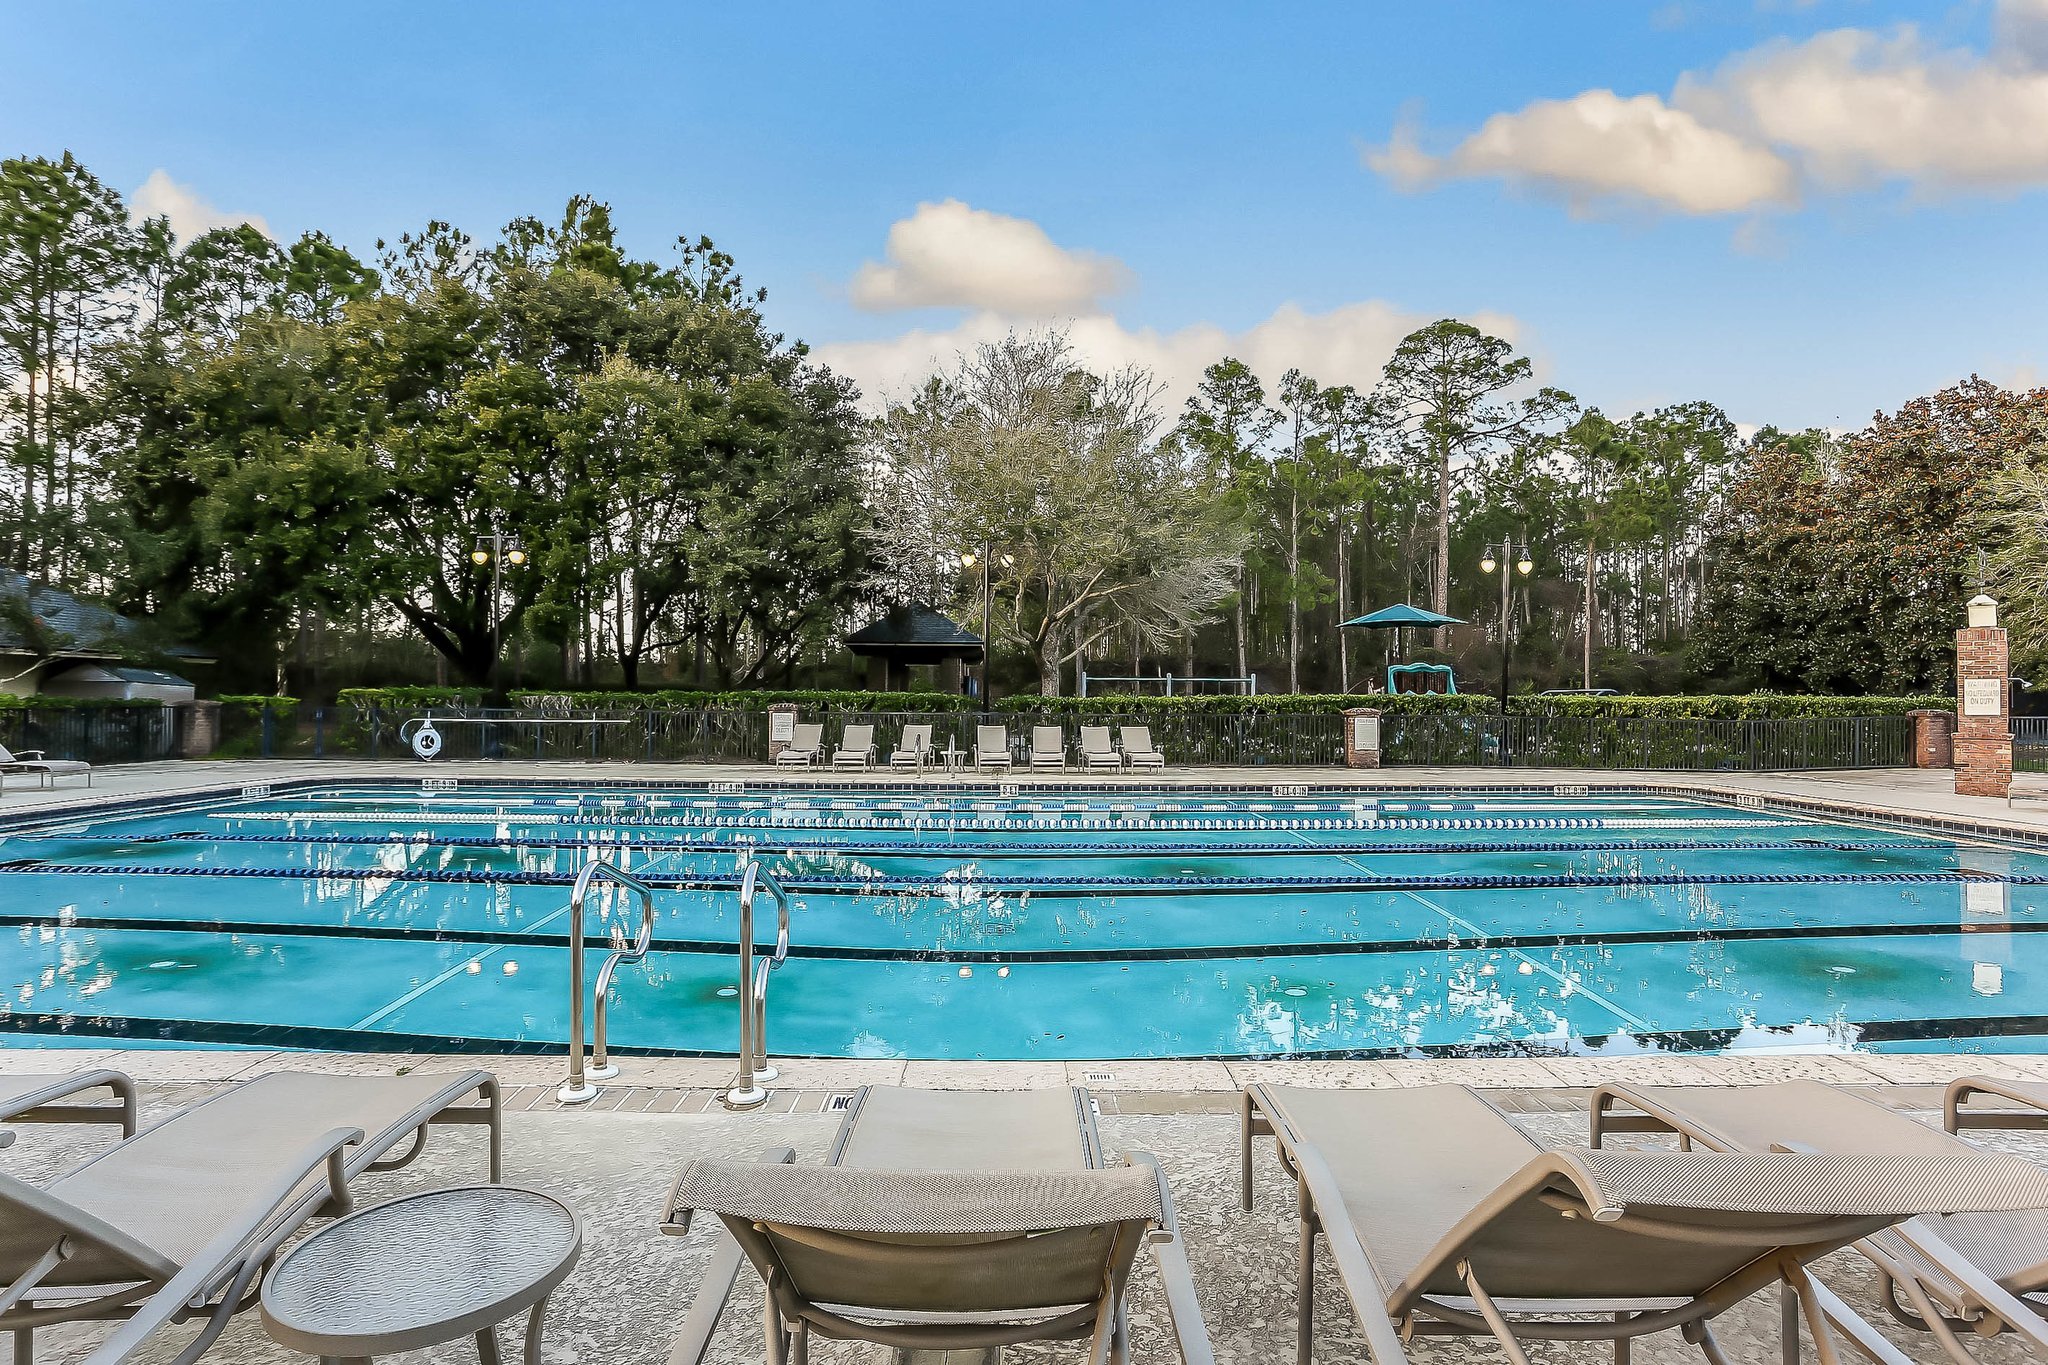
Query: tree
(1227, 425)
(1104, 525)
(1443, 388)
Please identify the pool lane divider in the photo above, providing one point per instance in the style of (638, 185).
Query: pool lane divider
(1117, 820)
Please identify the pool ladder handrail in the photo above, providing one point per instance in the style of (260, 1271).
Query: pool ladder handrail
(578, 1088)
(746, 1091)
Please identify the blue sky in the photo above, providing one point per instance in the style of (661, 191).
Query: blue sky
(1802, 211)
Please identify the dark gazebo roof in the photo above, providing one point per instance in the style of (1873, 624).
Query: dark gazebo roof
(914, 633)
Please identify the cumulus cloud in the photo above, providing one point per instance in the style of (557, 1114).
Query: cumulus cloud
(951, 255)
(1598, 147)
(1842, 110)
(1345, 345)
(190, 213)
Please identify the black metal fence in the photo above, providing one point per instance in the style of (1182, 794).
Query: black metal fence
(95, 734)
(1187, 738)
(2030, 744)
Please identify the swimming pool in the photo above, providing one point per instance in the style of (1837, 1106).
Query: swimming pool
(966, 923)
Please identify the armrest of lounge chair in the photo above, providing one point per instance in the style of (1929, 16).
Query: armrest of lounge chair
(2031, 1096)
(1619, 1108)
(36, 754)
(51, 1099)
(1170, 1254)
(714, 1284)
(248, 1241)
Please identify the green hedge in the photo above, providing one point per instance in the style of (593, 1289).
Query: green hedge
(39, 702)
(366, 697)
(1276, 703)
(256, 702)
(1752, 706)
(760, 700)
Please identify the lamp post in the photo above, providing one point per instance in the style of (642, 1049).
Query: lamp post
(1509, 561)
(968, 561)
(497, 550)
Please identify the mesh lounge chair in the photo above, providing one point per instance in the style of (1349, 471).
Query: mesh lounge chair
(1097, 750)
(57, 1099)
(1444, 1218)
(915, 749)
(991, 746)
(1138, 750)
(47, 770)
(856, 747)
(1048, 747)
(177, 1222)
(943, 1220)
(806, 747)
(1976, 1273)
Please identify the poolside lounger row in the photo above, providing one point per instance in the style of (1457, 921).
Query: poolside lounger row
(44, 769)
(857, 748)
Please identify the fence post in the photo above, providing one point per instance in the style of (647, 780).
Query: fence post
(319, 732)
(202, 728)
(647, 731)
(1361, 737)
(269, 748)
(376, 729)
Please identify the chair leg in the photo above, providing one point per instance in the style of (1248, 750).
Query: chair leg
(1800, 1287)
(1700, 1335)
(1622, 1345)
(1305, 1278)
(24, 1346)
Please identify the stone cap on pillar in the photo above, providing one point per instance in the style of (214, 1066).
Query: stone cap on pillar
(1983, 611)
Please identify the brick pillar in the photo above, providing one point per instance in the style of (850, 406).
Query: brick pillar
(1934, 738)
(1362, 737)
(781, 728)
(1983, 742)
(201, 728)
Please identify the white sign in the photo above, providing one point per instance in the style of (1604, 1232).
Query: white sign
(1983, 697)
(781, 727)
(1365, 733)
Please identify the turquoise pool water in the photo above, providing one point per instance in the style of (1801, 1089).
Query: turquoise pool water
(1083, 924)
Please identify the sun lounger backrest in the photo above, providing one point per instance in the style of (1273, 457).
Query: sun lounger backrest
(991, 738)
(1095, 740)
(916, 738)
(1047, 739)
(1137, 739)
(5, 757)
(857, 737)
(807, 737)
(33, 1220)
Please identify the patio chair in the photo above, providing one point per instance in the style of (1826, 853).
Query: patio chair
(59, 1099)
(47, 770)
(856, 747)
(806, 747)
(991, 747)
(1967, 1273)
(1048, 747)
(1445, 1219)
(179, 1221)
(1138, 750)
(915, 748)
(942, 1220)
(1096, 749)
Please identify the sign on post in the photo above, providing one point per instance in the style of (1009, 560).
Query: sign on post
(1983, 697)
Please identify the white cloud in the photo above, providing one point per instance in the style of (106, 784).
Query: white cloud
(1844, 109)
(951, 255)
(189, 212)
(1346, 345)
(1598, 147)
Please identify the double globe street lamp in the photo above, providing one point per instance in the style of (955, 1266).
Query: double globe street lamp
(497, 550)
(1508, 561)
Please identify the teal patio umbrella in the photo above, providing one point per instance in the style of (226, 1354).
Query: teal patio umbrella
(1399, 618)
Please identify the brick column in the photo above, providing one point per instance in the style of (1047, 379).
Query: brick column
(201, 729)
(1983, 741)
(1362, 737)
(782, 722)
(1934, 738)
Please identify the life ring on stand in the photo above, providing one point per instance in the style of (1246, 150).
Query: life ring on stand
(426, 741)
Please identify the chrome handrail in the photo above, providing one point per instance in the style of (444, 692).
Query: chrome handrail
(746, 1091)
(577, 1089)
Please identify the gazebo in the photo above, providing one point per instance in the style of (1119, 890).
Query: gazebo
(910, 636)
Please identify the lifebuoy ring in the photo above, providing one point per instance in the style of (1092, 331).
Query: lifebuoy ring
(426, 741)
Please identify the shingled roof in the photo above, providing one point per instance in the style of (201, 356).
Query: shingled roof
(80, 629)
(914, 630)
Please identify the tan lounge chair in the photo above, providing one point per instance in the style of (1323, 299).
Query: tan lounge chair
(805, 749)
(1138, 750)
(47, 770)
(1967, 1273)
(943, 1220)
(915, 750)
(1444, 1218)
(856, 747)
(1097, 750)
(991, 746)
(179, 1221)
(1048, 747)
(58, 1099)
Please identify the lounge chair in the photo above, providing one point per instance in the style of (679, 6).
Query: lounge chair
(1048, 747)
(915, 749)
(177, 1222)
(856, 747)
(1097, 750)
(991, 747)
(942, 1220)
(1444, 1218)
(1970, 1273)
(47, 770)
(805, 748)
(57, 1099)
(1138, 750)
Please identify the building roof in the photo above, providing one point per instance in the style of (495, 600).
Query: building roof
(914, 630)
(153, 677)
(78, 629)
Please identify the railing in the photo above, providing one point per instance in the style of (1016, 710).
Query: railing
(2030, 744)
(747, 1091)
(578, 1089)
(1648, 742)
(94, 734)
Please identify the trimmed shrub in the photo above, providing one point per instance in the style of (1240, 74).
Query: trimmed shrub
(364, 698)
(1272, 704)
(1752, 706)
(40, 702)
(823, 699)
